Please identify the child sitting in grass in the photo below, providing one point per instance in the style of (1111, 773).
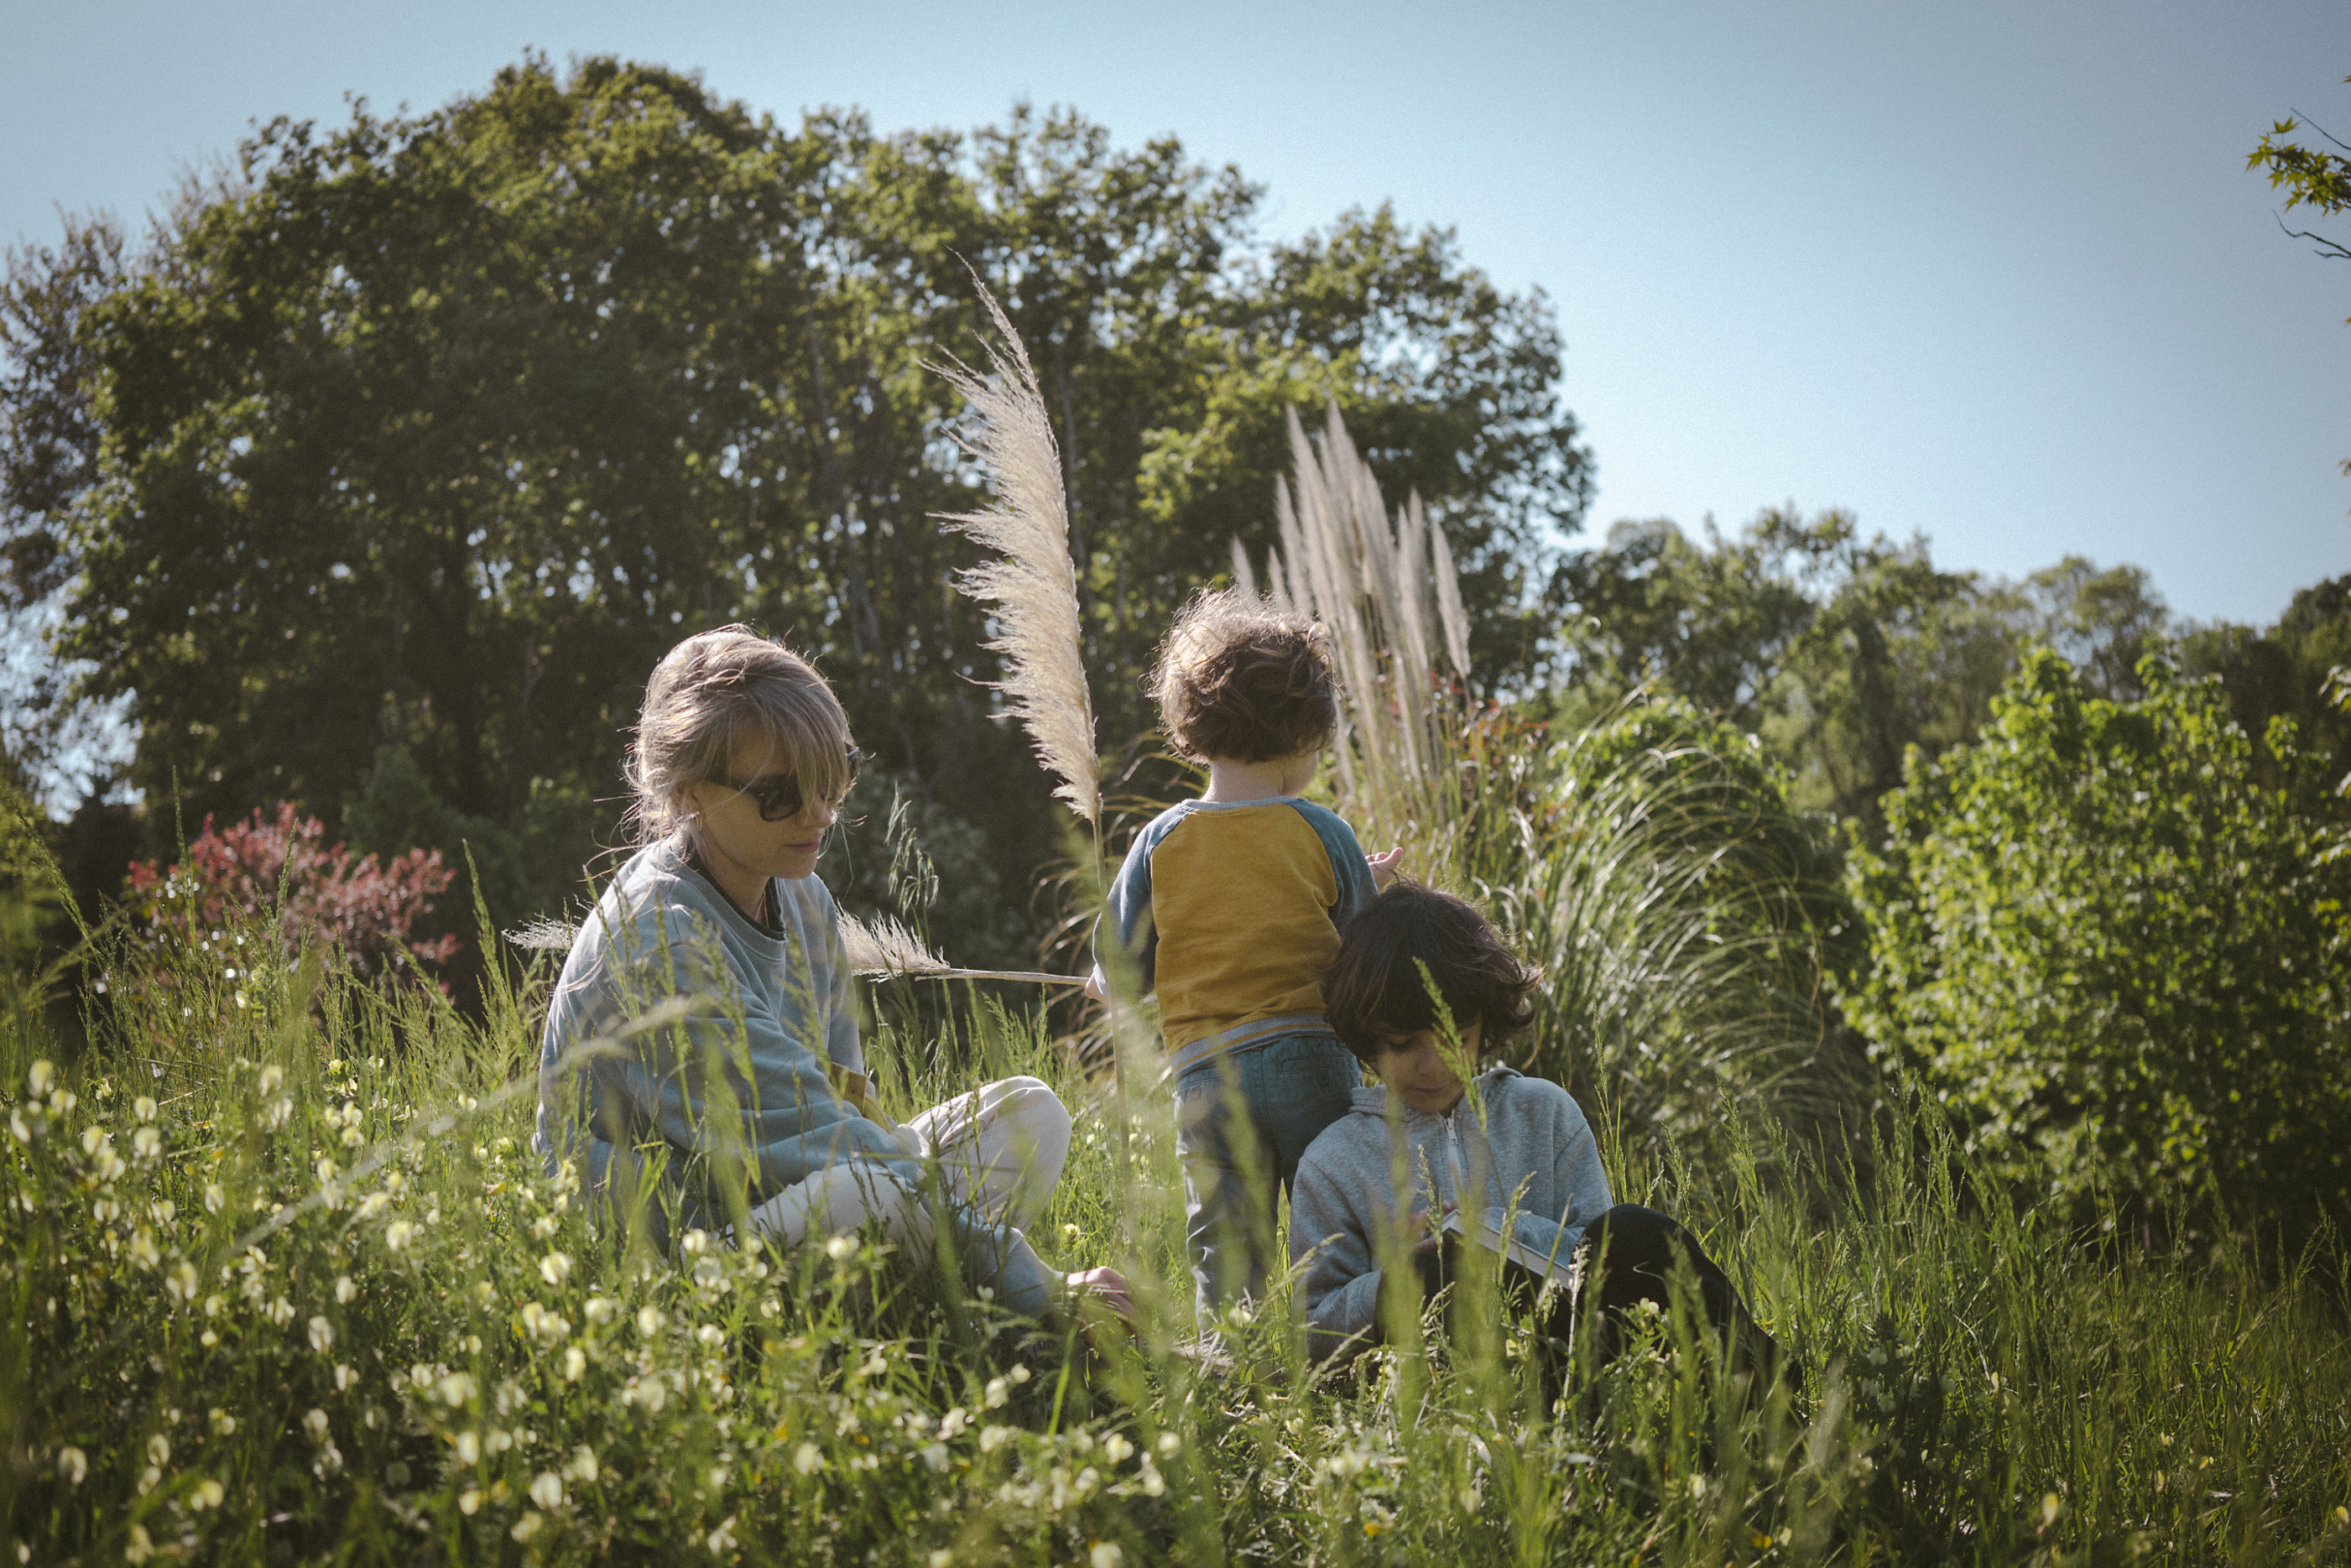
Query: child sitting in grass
(1529, 1158)
(1230, 907)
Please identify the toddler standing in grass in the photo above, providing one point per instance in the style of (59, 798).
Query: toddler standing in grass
(1229, 908)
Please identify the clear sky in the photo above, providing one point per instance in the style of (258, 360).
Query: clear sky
(1993, 272)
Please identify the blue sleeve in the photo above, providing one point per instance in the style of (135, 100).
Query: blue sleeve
(1356, 889)
(1132, 928)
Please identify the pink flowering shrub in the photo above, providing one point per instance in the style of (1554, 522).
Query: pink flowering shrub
(234, 877)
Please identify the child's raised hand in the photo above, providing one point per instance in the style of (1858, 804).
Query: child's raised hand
(1383, 866)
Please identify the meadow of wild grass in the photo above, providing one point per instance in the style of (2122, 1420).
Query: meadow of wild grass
(286, 1283)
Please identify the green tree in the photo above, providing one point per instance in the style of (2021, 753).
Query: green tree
(2315, 177)
(2100, 939)
(422, 438)
(1841, 650)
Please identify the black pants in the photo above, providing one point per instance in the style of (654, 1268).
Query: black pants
(1629, 1257)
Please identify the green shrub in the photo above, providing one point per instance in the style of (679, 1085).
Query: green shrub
(2118, 955)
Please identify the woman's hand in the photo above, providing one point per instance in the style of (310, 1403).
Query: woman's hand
(1384, 867)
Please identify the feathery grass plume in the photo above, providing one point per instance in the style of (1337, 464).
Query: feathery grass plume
(1033, 585)
(886, 947)
(543, 934)
(1388, 592)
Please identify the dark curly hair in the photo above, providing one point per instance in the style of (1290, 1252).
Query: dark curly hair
(1239, 680)
(1373, 992)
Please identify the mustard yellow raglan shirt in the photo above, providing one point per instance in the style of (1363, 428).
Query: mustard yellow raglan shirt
(1232, 912)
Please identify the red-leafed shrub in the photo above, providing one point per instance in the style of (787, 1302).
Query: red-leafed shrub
(234, 877)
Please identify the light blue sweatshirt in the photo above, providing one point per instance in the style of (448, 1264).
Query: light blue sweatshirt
(1535, 1155)
(739, 1082)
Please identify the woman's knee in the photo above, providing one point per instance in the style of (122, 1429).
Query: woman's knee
(1032, 1115)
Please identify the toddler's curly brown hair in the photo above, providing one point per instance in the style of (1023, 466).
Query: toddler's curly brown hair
(1241, 681)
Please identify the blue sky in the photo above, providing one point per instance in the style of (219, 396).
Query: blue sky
(1992, 272)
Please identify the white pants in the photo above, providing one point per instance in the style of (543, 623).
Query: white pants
(1000, 1150)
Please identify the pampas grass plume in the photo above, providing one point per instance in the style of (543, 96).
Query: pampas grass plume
(1031, 585)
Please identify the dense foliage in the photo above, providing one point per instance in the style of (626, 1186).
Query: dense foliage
(242, 876)
(2120, 955)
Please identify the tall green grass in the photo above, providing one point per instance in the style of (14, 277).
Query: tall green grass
(284, 1283)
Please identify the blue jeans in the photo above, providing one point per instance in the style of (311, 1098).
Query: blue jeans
(1242, 1122)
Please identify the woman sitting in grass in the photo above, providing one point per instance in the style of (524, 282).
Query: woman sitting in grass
(749, 1097)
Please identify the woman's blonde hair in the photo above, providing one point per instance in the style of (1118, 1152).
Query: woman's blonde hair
(711, 691)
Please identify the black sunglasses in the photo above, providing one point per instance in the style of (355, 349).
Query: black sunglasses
(779, 799)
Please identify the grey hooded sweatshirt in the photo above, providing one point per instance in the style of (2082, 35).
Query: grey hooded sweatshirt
(1535, 1158)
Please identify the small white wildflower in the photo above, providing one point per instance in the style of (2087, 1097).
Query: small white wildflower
(469, 1500)
(599, 1310)
(840, 1246)
(951, 1424)
(574, 1364)
(711, 1335)
(146, 1145)
(554, 1268)
(345, 1378)
(143, 1107)
(998, 1392)
(1116, 1449)
(469, 1448)
(528, 1525)
(721, 1540)
(650, 1321)
(222, 1423)
(1105, 1555)
(694, 1242)
(322, 1335)
(345, 1289)
(1018, 1375)
(207, 1494)
(807, 1459)
(159, 1450)
(991, 1438)
(547, 1491)
(41, 1078)
(583, 1464)
(214, 1197)
(936, 1456)
(399, 1233)
(140, 1548)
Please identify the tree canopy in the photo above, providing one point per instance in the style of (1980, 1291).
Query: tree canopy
(379, 479)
